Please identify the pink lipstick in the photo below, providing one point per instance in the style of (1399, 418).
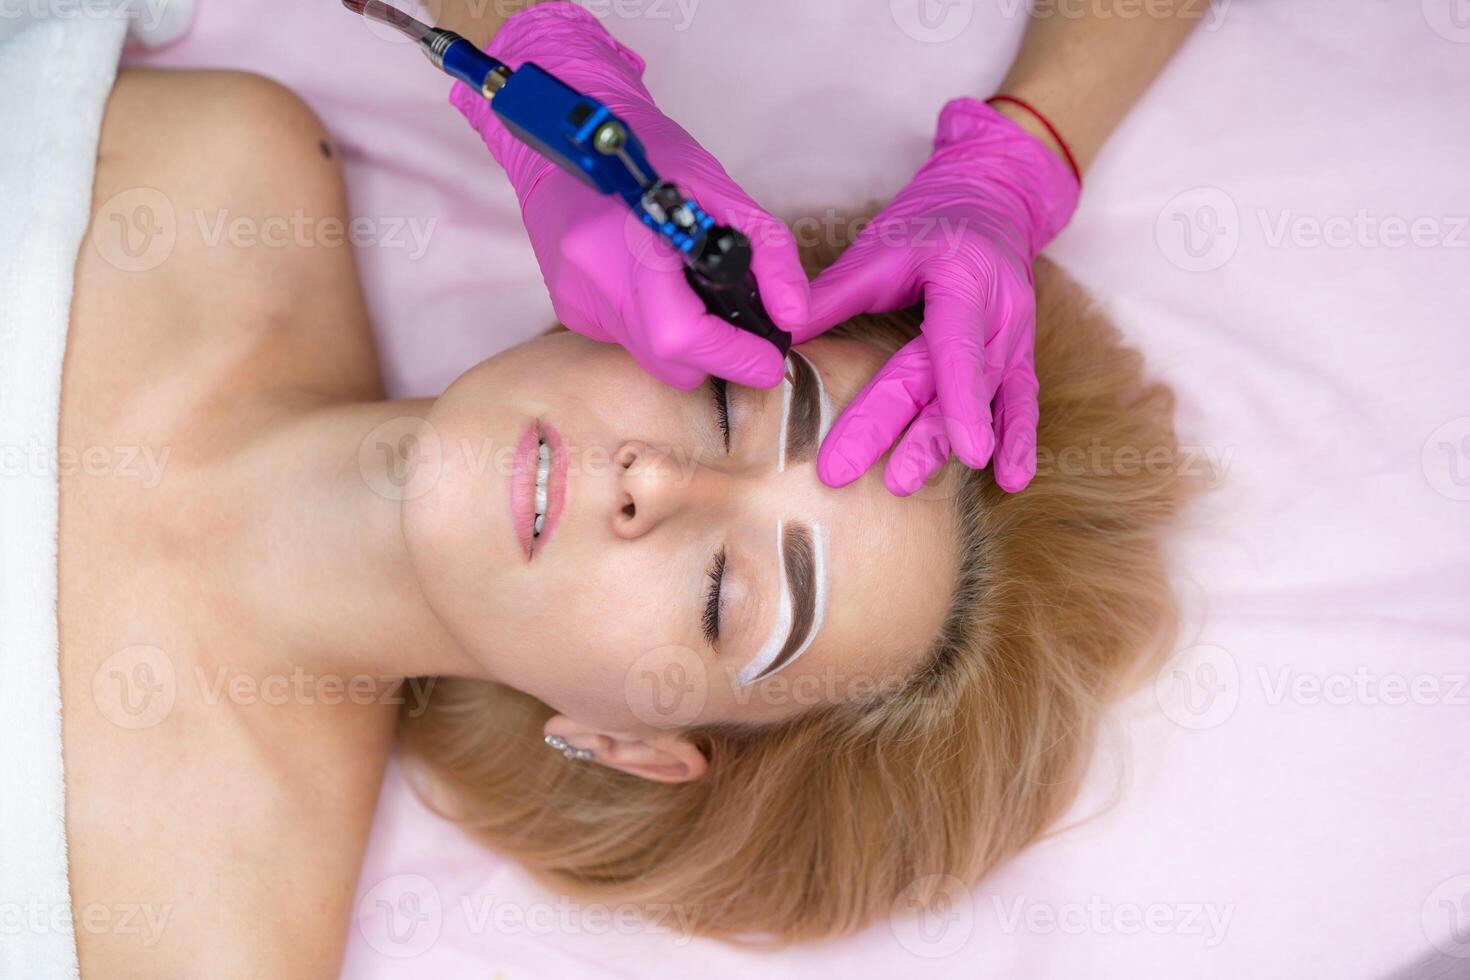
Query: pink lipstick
(538, 486)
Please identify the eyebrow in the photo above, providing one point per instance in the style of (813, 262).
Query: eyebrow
(804, 414)
(802, 549)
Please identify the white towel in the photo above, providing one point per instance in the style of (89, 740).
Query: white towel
(56, 71)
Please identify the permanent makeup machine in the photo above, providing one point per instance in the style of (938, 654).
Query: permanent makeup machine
(580, 135)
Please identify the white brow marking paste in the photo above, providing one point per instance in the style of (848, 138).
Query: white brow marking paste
(786, 389)
(823, 400)
(772, 647)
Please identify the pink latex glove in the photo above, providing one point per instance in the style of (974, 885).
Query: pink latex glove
(961, 236)
(608, 276)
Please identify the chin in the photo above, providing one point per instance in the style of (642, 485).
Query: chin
(458, 532)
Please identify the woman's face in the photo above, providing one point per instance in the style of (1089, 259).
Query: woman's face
(690, 567)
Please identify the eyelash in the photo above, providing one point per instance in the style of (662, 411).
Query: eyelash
(721, 391)
(711, 618)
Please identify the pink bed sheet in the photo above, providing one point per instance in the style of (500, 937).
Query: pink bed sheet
(1281, 225)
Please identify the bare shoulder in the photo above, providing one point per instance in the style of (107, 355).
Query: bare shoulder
(219, 180)
(217, 250)
(185, 127)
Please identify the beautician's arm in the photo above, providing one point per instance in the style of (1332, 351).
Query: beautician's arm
(999, 186)
(1086, 72)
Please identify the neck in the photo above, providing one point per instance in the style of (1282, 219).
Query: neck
(318, 575)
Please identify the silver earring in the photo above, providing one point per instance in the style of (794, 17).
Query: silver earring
(567, 749)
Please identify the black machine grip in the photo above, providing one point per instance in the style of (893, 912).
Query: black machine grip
(721, 275)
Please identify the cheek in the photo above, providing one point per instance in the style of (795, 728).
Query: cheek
(598, 634)
(663, 687)
(612, 598)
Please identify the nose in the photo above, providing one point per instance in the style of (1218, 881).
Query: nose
(655, 486)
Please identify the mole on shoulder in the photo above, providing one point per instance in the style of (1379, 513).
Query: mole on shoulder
(326, 148)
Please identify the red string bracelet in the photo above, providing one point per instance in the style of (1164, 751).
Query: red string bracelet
(1066, 150)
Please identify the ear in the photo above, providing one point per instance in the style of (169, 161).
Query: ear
(661, 757)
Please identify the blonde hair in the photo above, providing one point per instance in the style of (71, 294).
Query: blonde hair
(818, 825)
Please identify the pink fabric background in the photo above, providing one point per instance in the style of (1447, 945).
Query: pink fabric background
(1329, 380)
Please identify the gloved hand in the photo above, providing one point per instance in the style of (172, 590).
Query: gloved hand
(608, 277)
(961, 236)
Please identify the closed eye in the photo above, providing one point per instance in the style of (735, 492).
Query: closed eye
(711, 617)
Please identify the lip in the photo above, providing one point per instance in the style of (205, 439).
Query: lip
(523, 486)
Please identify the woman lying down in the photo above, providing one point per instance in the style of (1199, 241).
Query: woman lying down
(776, 704)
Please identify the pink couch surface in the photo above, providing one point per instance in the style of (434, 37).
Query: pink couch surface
(1281, 225)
